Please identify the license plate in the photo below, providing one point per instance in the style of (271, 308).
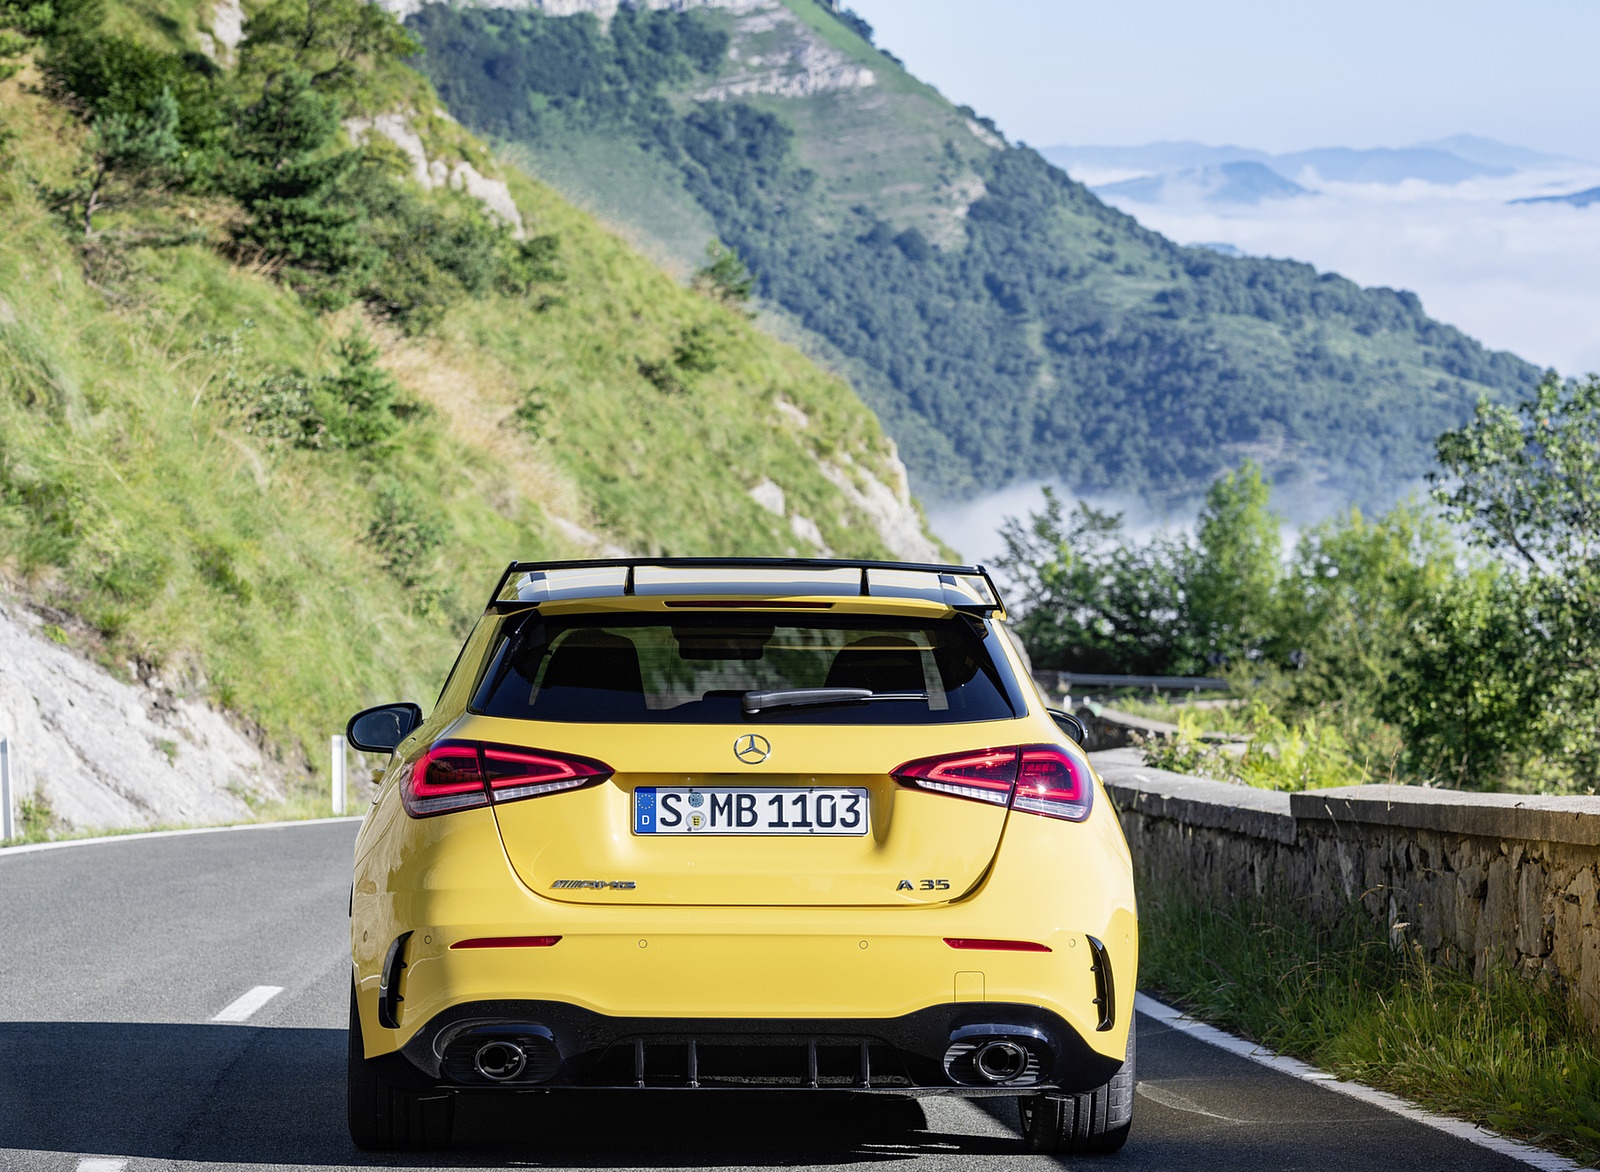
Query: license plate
(823, 810)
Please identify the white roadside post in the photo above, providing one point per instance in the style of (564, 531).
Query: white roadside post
(8, 825)
(336, 744)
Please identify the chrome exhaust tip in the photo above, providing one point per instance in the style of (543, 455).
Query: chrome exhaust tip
(999, 1054)
(499, 1061)
(1000, 1061)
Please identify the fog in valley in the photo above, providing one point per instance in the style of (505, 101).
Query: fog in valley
(1518, 277)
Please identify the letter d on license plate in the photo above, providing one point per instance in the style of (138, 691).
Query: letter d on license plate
(825, 810)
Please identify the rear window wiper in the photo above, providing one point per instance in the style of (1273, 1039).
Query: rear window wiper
(755, 702)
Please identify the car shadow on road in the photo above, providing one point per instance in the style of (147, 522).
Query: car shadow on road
(240, 1094)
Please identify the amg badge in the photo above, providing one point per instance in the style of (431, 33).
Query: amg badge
(594, 884)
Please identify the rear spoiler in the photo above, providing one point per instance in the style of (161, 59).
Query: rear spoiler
(966, 588)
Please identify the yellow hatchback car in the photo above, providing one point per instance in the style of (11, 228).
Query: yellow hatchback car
(740, 823)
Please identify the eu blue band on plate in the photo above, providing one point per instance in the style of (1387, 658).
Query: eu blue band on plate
(644, 810)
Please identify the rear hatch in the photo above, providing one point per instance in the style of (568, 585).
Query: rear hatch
(710, 804)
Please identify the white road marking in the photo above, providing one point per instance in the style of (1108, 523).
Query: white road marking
(101, 1164)
(241, 1009)
(1481, 1136)
(8, 851)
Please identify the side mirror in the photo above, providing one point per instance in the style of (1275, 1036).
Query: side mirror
(381, 729)
(1070, 725)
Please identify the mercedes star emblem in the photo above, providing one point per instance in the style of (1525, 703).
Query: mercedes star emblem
(751, 749)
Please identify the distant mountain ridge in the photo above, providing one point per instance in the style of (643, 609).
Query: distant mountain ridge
(1382, 165)
(1578, 199)
(1492, 153)
(1445, 161)
(1242, 182)
(1002, 321)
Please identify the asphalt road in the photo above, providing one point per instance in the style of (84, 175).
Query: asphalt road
(115, 958)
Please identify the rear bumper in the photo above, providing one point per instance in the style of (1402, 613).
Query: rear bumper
(797, 972)
(563, 1046)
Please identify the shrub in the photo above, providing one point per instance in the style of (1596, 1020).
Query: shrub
(358, 407)
(528, 263)
(696, 351)
(405, 532)
(530, 412)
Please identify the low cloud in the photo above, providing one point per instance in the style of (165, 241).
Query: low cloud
(973, 528)
(1518, 277)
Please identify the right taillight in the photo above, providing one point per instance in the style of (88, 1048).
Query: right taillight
(458, 775)
(1052, 782)
(1035, 779)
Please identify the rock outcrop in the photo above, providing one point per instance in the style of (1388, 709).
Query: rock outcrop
(429, 173)
(90, 751)
(889, 506)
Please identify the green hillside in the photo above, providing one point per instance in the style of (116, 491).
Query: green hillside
(1002, 321)
(277, 428)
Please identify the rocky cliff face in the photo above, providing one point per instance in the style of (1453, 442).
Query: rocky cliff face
(91, 751)
(773, 52)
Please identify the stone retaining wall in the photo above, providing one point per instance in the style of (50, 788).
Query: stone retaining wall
(1477, 880)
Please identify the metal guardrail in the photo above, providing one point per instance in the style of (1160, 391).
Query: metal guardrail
(1068, 681)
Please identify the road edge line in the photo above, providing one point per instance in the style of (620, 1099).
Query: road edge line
(1482, 1137)
(100, 840)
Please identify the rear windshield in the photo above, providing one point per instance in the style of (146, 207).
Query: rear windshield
(696, 669)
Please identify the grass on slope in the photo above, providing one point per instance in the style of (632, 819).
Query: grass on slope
(1507, 1053)
(292, 586)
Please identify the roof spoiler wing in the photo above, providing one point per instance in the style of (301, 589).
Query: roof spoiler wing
(968, 588)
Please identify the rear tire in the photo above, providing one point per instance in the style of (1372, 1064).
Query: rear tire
(386, 1115)
(1092, 1123)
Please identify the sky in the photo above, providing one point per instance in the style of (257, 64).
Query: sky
(1285, 75)
(1277, 75)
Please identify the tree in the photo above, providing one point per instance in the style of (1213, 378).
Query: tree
(22, 21)
(1091, 601)
(125, 156)
(359, 401)
(1348, 605)
(332, 43)
(1527, 479)
(1525, 486)
(724, 276)
(1466, 687)
(1237, 566)
(284, 173)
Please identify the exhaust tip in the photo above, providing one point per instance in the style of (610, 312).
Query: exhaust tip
(1000, 1061)
(498, 1052)
(999, 1054)
(499, 1061)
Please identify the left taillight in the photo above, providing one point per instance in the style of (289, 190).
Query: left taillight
(982, 775)
(1035, 779)
(459, 775)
